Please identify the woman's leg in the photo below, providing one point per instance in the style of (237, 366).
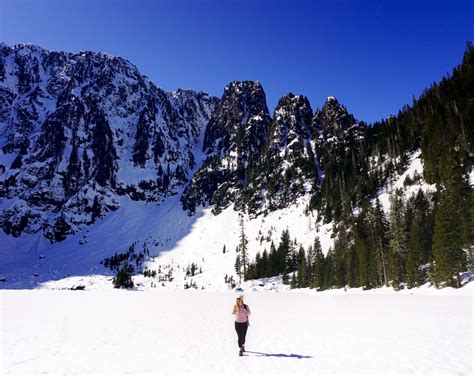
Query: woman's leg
(241, 329)
(244, 332)
(238, 329)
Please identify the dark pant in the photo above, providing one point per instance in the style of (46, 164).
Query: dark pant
(241, 329)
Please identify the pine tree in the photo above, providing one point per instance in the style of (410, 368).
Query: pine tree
(238, 267)
(378, 229)
(310, 266)
(340, 249)
(302, 269)
(274, 261)
(283, 252)
(318, 266)
(398, 238)
(419, 239)
(363, 247)
(123, 278)
(264, 270)
(449, 256)
(243, 244)
(329, 280)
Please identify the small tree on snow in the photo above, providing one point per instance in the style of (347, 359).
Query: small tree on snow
(238, 267)
(243, 249)
(123, 279)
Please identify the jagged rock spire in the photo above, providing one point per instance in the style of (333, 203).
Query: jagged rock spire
(289, 167)
(234, 142)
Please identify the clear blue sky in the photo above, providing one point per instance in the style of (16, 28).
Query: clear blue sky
(374, 56)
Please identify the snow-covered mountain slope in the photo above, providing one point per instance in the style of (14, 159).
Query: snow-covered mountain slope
(79, 130)
(174, 241)
(413, 173)
(299, 332)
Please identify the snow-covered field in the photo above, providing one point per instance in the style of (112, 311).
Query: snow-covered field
(422, 331)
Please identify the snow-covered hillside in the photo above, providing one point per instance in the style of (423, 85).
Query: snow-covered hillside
(422, 332)
(174, 239)
(170, 234)
(414, 172)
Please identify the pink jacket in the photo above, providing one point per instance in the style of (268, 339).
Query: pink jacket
(243, 315)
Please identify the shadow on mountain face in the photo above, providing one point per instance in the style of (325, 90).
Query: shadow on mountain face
(31, 260)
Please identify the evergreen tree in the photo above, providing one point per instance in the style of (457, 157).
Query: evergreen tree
(123, 278)
(378, 236)
(264, 269)
(449, 256)
(283, 251)
(243, 244)
(329, 280)
(310, 259)
(318, 266)
(367, 276)
(274, 261)
(341, 248)
(302, 269)
(238, 267)
(398, 239)
(419, 239)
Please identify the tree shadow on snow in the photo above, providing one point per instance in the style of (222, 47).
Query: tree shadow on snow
(296, 356)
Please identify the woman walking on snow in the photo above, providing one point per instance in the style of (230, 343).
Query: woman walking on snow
(242, 313)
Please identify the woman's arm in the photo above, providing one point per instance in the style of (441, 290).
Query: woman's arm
(248, 310)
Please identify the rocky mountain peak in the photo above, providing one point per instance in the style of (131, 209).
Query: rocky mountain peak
(77, 130)
(289, 167)
(291, 119)
(234, 141)
(241, 110)
(333, 116)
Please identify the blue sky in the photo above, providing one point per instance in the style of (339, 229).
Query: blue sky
(374, 56)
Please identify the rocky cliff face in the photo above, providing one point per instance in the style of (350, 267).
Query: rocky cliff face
(289, 168)
(79, 130)
(336, 131)
(234, 144)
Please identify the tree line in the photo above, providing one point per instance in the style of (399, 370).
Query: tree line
(421, 239)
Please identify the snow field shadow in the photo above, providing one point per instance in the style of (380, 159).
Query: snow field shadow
(296, 356)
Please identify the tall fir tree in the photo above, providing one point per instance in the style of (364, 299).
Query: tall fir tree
(318, 266)
(243, 247)
(419, 239)
(378, 236)
(398, 239)
(449, 256)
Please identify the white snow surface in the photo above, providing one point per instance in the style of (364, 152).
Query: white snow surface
(157, 332)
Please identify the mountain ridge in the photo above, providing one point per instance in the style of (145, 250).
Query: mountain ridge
(81, 134)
